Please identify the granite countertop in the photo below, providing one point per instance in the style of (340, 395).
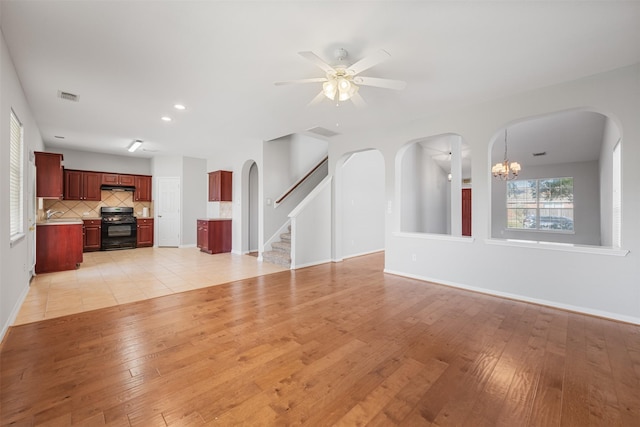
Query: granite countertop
(61, 221)
(214, 219)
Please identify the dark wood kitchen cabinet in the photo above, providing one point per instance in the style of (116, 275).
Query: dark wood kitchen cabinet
(143, 188)
(49, 176)
(220, 186)
(214, 235)
(92, 235)
(145, 232)
(82, 185)
(118, 179)
(58, 247)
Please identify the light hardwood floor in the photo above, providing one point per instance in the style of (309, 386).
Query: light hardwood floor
(335, 344)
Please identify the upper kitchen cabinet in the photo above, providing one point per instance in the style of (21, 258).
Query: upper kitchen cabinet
(220, 186)
(118, 179)
(82, 185)
(143, 188)
(49, 178)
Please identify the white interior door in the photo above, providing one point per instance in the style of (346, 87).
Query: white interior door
(168, 211)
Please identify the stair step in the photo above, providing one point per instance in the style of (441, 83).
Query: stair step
(285, 237)
(277, 257)
(281, 247)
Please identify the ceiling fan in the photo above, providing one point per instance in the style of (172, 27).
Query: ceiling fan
(342, 81)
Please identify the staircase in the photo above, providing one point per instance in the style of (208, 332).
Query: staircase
(281, 251)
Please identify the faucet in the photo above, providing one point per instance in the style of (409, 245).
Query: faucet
(50, 214)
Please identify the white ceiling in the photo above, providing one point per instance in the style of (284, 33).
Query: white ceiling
(131, 61)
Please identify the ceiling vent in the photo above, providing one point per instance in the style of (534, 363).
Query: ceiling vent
(68, 96)
(542, 153)
(322, 131)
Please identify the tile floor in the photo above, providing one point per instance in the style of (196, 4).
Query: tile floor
(106, 279)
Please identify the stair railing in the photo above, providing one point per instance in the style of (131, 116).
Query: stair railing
(299, 182)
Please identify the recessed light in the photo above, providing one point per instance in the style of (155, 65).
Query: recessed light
(165, 118)
(179, 107)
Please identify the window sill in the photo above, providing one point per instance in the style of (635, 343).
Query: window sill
(537, 231)
(15, 239)
(564, 247)
(433, 236)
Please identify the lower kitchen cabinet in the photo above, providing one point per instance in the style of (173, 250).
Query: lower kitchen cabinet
(145, 232)
(214, 235)
(92, 232)
(58, 247)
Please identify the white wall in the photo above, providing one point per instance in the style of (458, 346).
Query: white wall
(192, 173)
(195, 195)
(410, 187)
(286, 160)
(311, 228)
(101, 162)
(253, 203)
(235, 159)
(363, 203)
(596, 281)
(586, 199)
(610, 139)
(434, 196)
(305, 153)
(425, 193)
(16, 260)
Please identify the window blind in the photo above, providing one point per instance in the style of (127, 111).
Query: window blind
(15, 177)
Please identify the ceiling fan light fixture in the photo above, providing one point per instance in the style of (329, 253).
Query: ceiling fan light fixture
(329, 88)
(346, 88)
(342, 81)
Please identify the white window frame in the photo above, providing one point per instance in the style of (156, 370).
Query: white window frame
(538, 208)
(16, 178)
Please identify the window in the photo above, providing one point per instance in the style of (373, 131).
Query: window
(15, 178)
(540, 204)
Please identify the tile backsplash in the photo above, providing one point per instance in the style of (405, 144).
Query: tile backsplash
(226, 209)
(88, 209)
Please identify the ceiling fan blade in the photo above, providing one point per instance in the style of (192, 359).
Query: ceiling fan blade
(368, 62)
(377, 82)
(318, 98)
(358, 101)
(318, 62)
(314, 80)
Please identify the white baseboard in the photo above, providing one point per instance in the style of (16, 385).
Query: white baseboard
(14, 312)
(192, 245)
(311, 264)
(362, 254)
(553, 304)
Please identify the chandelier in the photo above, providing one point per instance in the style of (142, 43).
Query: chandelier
(505, 170)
